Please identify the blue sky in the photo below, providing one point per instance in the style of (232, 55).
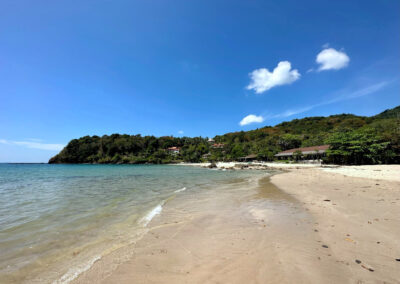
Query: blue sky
(75, 68)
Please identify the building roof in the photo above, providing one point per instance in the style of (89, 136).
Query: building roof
(305, 150)
(251, 156)
(218, 145)
(248, 157)
(173, 148)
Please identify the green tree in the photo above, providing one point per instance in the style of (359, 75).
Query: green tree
(358, 147)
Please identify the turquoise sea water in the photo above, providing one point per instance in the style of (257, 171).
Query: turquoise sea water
(56, 220)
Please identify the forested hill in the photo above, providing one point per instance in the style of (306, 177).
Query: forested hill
(353, 139)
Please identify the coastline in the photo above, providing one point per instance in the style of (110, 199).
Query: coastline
(380, 172)
(279, 229)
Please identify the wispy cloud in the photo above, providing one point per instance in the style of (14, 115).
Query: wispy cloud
(368, 90)
(34, 139)
(180, 132)
(262, 79)
(288, 113)
(34, 145)
(347, 96)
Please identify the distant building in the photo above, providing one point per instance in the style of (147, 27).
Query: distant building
(307, 153)
(174, 150)
(206, 156)
(218, 145)
(248, 158)
(210, 140)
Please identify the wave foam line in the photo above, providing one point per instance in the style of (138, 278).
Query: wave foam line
(74, 273)
(180, 190)
(154, 212)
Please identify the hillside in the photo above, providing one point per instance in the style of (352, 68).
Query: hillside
(354, 139)
(389, 113)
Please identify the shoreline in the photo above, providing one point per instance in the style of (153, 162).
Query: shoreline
(305, 225)
(382, 172)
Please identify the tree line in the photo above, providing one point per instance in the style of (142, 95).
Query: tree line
(353, 140)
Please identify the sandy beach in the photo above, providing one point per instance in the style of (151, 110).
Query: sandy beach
(357, 218)
(304, 225)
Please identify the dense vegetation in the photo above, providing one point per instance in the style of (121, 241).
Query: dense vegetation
(353, 140)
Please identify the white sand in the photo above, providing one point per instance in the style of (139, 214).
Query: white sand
(384, 172)
(230, 165)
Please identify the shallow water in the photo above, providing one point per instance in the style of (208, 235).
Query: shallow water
(57, 220)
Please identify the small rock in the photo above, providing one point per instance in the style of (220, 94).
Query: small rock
(327, 200)
(212, 165)
(325, 246)
(397, 259)
(358, 261)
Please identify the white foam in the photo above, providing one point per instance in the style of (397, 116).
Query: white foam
(149, 216)
(74, 273)
(180, 190)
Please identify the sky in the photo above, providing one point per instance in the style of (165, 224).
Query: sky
(187, 68)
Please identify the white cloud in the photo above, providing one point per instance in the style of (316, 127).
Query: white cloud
(251, 118)
(330, 58)
(34, 145)
(262, 79)
(180, 132)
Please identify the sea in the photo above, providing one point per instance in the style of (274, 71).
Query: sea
(56, 221)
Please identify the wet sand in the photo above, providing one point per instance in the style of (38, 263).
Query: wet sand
(301, 226)
(241, 233)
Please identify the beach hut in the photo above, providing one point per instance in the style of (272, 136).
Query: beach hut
(305, 153)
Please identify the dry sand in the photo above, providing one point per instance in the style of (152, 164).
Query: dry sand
(242, 233)
(385, 172)
(357, 218)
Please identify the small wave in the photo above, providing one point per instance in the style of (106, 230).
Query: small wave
(149, 216)
(74, 273)
(180, 190)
